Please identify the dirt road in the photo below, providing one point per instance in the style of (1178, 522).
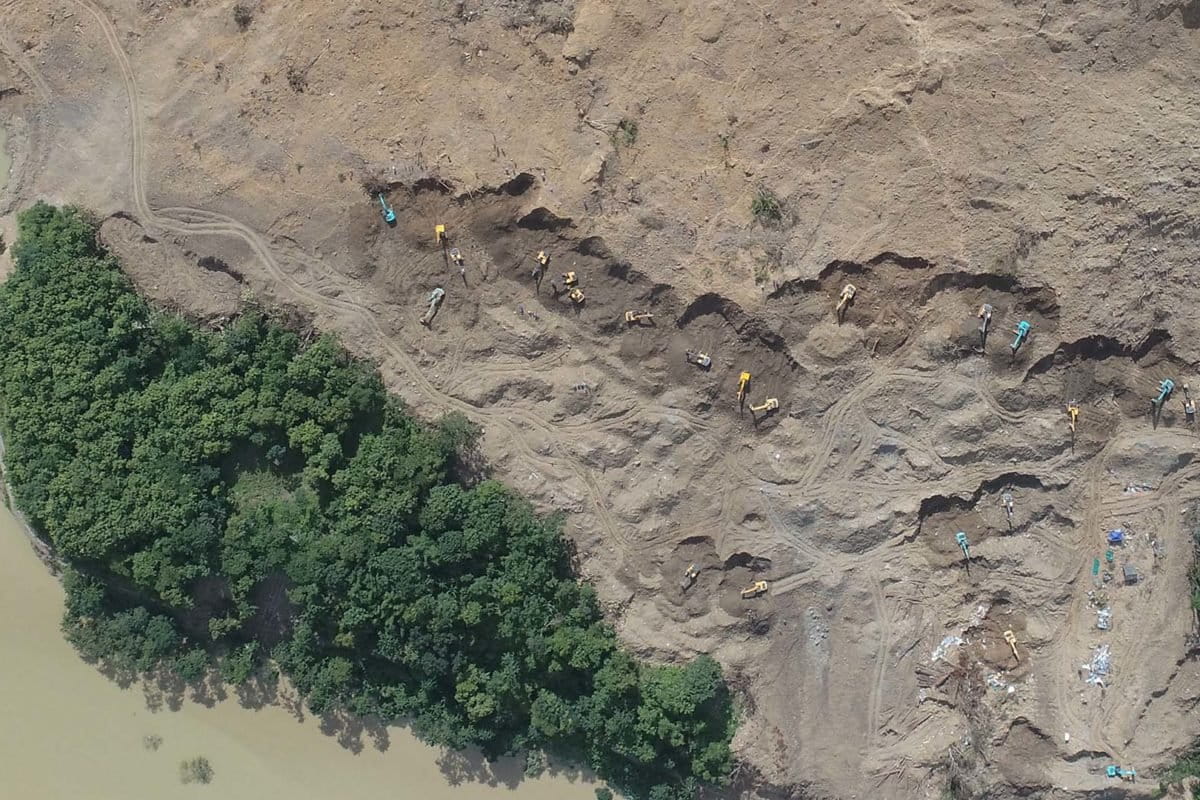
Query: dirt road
(1036, 160)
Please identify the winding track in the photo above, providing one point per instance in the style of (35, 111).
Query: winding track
(512, 422)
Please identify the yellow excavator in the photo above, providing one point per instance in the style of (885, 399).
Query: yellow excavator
(1073, 415)
(542, 258)
(689, 577)
(569, 278)
(1011, 638)
(439, 234)
(743, 382)
(576, 296)
(848, 292)
(635, 317)
(768, 405)
(754, 590)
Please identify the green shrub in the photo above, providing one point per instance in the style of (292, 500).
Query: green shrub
(181, 473)
(765, 207)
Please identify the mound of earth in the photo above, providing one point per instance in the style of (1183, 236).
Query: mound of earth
(938, 157)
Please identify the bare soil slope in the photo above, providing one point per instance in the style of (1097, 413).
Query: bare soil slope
(1039, 158)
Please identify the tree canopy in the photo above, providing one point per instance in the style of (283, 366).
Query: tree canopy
(246, 497)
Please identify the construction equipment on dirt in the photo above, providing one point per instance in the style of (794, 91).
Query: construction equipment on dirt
(743, 382)
(846, 298)
(1020, 334)
(1011, 638)
(569, 279)
(435, 301)
(1006, 500)
(961, 538)
(768, 405)
(456, 256)
(576, 296)
(389, 216)
(1164, 393)
(1113, 771)
(439, 234)
(754, 590)
(701, 360)
(635, 317)
(542, 258)
(1073, 415)
(985, 322)
(689, 577)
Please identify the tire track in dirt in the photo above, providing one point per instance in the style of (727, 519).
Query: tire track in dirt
(181, 220)
(875, 700)
(38, 149)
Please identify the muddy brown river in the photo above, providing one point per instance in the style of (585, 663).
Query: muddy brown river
(69, 732)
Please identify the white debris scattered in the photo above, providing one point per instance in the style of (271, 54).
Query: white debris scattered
(1104, 618)
(947, 644)
(1099, 666)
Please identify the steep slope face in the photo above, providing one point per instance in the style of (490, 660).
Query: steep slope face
(937, 156)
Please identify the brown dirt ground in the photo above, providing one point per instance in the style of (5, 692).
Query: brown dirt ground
(1036, 157)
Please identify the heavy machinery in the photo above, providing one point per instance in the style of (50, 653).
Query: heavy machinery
(754, 590)
(435, 300)
(689, 577)
(985, 322)
(542, 258)
(1020, 334)
(634, 317)
(389, 216)
(1164, 392)
(456, 256)
(847, 297)
(1011, 638)
(576, 296)
(1073, 415)
(1113, 771)
(743, 382)
(702, 360)
(569, 279)
(1006, 500)
(439, 234)
(961, 538)
(768, 405)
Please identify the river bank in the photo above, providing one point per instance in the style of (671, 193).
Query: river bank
(74, 733)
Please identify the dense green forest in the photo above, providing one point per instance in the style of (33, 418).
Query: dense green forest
(241, 500)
